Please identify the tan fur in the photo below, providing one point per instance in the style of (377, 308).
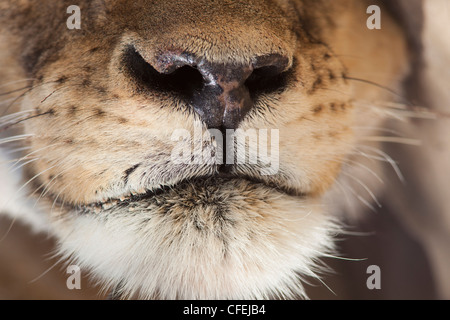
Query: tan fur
(91, 124)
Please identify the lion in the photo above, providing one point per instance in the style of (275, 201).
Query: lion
(288, 112)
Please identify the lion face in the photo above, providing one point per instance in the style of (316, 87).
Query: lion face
(105, 103)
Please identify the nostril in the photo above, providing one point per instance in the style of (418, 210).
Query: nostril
(183, 81)
(271, 74)
(220, 93)
(267, 80)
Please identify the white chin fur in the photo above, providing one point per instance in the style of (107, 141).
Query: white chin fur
(14, 201)
(258, 247)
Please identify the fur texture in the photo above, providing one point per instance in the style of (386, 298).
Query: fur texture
(97, 165)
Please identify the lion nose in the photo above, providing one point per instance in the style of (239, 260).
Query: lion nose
(224, 99)
(222, 94)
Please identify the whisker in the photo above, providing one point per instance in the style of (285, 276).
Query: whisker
(380, 129)
(26, 92)
(418, 111)
(34, 177)
(315, 276)
(372, 195)
(360, 198)
(366, 168)
(412, 142)
(49, 95)
(341, 187)
(48, 184)
(56, 198)
(343, 258)
(16, 81)
(14, 116)
(7, 101)
(402, 111)
(17, 99)
(34, 152)
(26, 119)
(44, 273)
(379, 86)
(14, 91)
(386, 158)
(8, 230)
(385, 112)
(17, 150)
(15, 168)
(15, 138)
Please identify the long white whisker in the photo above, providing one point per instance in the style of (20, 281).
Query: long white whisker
(17, 150)
(14, 116)
(7, 101)
(8, 230)
(56, 198)
(48, 184)
(366, 168)
(364, 201)
(402, 109)
(34, 152)
(44, 273)
(412, 142)
(339, 258)
(16, 167)
(34, 177)
(341, 187)
(389, 160)
(380, 129)
(315, 276)
(15, 138)
(365, 187)
(16, 81)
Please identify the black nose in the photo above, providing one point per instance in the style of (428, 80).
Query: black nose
(221, 94)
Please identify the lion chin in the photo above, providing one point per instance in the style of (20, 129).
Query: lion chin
(206, 239)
